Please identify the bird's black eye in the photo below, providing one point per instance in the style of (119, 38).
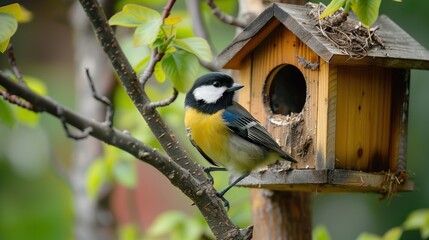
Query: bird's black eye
(216, 84)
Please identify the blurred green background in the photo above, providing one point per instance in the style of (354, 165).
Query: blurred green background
(36, 199)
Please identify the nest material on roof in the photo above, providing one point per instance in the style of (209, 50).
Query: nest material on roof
(348, 35)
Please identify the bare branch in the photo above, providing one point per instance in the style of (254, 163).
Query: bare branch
(226, 18)
(111, 136)
(167, 9)
(201, 192)
(194, 10)
(103, 99)
(179, 168)
(165, 102)
(17, 101)
(154, 58)
(85, 132)
(12, 63)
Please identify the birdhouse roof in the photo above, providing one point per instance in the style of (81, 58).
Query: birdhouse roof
(401, 50)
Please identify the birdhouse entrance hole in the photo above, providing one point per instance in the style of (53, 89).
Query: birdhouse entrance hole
(286, 90)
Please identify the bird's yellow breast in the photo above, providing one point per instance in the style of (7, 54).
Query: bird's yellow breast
(209, 133)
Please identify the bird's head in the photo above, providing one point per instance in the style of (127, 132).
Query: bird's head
(212, 92)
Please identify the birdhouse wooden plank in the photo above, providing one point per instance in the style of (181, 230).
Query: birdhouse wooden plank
(343, 118)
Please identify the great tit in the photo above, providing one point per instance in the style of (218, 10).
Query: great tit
(224, 132)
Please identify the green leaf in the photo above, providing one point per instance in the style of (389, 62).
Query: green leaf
(417, 219)
(368, 236)
(393, 234)
(181, 68)
(141, 12)
(333, 6)
(125, 173)
(96, 177)
(124, 19)
(366, 11)
(6, 114)
(320, 233)
(195, 45)
(147, 32)
(3, 45)
(166, 223)
(8, 26)
(159, 73)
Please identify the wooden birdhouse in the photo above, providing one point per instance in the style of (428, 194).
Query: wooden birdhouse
(344, 119)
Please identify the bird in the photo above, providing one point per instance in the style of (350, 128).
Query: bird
(224, 132)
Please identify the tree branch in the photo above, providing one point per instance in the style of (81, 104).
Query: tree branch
(226, 18)
(200, 30)
(17, 101)
(13, 65)
(165, 102)
(179, 168)
(104, 100)
(147, 73)
(201, 192)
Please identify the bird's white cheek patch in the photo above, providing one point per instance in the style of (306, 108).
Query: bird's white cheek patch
(209, 94)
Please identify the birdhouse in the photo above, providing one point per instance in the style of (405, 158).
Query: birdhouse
(344, 119)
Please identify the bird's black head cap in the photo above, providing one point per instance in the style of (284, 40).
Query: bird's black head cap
(212, 92)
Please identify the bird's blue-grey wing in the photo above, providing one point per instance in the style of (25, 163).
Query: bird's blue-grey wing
(242, 123)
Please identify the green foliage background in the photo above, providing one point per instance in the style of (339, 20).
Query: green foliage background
(36, 201)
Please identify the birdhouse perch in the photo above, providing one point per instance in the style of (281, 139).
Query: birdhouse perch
(344, 119)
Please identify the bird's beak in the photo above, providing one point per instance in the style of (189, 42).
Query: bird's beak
(234, 87)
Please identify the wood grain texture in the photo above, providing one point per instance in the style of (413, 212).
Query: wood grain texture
(282, 48)
(401, 51)
(281, 215)
(325, 181)
(326, 116)
(244, 78)
(363, 118)
(399, 120)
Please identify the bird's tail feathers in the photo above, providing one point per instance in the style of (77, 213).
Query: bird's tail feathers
(288, 158)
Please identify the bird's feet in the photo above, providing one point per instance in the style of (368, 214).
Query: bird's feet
(208, 171)
(225, 202)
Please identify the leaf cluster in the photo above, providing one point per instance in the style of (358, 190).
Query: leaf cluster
(180, 56)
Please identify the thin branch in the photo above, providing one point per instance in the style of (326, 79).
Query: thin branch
(100, 131)
(155, 55)
(13, 65)
(85, 132)
(180, 169)
(129, 80)
(165, 102)
(194, 9)
(226, 18)
(154, 58)
(103, 99)
(167, 9)
(200, 30)
(201, 192)
(17, 101)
